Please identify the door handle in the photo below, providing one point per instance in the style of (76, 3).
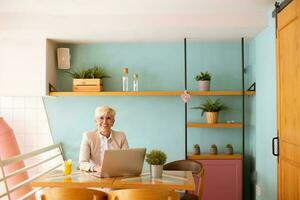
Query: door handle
(273, 146)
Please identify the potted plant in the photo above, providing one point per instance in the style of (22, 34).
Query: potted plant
(228, 149)
(156, 159)
(203, 79)
(211, 109)
(88, 80)
(196, 149)
(213, 149)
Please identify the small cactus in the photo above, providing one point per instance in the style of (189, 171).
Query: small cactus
(228, 149)
(196, 149)
(213, 149)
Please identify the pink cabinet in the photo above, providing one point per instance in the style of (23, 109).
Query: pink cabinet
(222, 177)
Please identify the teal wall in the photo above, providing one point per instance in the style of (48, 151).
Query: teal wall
(152, 122)
(262, 112)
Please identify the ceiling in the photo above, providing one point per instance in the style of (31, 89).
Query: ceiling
(135, 20)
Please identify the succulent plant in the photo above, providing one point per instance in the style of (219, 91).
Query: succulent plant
(211, 106)
(203, 76)
(91, 73)
(156, 157)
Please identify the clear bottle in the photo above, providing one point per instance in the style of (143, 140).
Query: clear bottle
(135, 82)
(125, 79)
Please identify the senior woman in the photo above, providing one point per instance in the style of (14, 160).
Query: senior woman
(94, 143)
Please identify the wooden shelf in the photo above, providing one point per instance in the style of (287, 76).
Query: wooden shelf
(217, 125)
(129, 93)
(215, 157)
(220, 93)
(152, 93)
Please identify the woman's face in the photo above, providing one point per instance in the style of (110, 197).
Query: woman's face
(105, 122)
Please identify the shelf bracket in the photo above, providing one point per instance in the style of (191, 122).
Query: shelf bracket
(252, 87)
(52, 88)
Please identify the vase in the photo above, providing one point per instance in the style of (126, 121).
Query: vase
(228, 150)
(196, 151)
(211, 117)
(156, 171)
(204, 85)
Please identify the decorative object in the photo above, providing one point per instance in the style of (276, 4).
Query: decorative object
(228, 149)
(211, 109)
(185, 96)
(213, 149)
(125, 80)
(203, 79)
(135, 82)
(88, 80)
(196, 149)
(156, 159)
(63, 58)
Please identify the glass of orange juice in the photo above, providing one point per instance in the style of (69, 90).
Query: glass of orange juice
(68, 167)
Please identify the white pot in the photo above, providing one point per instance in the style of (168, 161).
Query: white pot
(156, 171)
(204, 85)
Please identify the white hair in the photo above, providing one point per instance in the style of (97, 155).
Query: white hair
(104, 110)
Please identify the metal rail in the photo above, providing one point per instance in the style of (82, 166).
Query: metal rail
(23, 157)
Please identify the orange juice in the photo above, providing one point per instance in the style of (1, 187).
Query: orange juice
(67, 167)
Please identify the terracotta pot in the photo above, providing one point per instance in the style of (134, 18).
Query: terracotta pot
(213, 150)
(228, 150)
(196, 151)
(212, 117)
(204, 85)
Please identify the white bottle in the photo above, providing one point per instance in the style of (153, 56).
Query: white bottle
(135, 82)
(125, 79)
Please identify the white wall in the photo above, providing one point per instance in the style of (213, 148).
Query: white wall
(22, 64)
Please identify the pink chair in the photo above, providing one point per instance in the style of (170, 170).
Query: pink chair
(9, 148)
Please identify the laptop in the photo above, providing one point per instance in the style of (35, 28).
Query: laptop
(122, 162)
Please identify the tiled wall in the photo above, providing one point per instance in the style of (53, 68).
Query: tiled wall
(27, 117)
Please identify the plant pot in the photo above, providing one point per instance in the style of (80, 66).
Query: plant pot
(204, 85)
(211, 117)
(228, 150)
(213, 151)
(196, 151)
(156, 171)
(87, 85)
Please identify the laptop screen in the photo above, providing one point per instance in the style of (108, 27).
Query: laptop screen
(123, 162)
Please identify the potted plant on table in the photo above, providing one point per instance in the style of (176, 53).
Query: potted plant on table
(211, 109)
(156, 159)
(203, 79)
(88, 80)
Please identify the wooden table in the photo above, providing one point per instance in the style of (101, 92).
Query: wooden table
(173, 180)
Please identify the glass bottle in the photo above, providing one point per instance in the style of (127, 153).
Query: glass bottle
(135, 82)
(125, 79)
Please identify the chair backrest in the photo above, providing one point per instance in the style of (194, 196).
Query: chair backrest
(72, 193)
(143, 194)
(189, 165)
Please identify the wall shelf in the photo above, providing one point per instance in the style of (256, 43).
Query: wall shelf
(129, 93)
(217, 125)
(215, 157)
(221, 93)
(152, 93)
